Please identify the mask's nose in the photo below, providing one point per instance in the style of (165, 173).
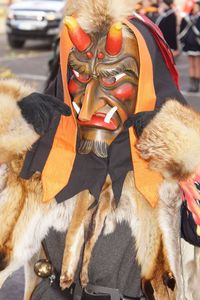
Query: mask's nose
(91, 102)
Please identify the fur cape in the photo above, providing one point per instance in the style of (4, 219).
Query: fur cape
(171, 143)
(160, 251)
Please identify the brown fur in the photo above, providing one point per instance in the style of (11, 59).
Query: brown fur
(75, 235)
(106, 205)
(171, 141)
(27, 202)
(22, 197)
(16, 136)
(171, 144)
(97, 16)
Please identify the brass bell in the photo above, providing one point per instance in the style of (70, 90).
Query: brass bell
(43, 268)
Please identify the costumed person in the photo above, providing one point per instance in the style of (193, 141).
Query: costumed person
(190, 39)
(150, 9)
(117, 75)
(167, 22)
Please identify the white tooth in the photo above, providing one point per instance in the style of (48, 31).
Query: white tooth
(109, 115)
(76, 107)
(119, 76)
(76, 73)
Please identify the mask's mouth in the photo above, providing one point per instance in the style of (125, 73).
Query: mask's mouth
(102, 120)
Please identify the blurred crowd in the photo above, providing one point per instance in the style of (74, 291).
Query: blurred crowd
(181, 30)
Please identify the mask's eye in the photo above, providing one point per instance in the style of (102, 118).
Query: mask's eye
(82, 77)
(109, 81)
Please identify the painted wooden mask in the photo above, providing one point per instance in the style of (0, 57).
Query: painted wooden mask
(104, 84)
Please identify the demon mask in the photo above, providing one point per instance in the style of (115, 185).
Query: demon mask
(104, 83)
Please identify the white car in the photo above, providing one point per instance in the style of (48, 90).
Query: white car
(35, 19)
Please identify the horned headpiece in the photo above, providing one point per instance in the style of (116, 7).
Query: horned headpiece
(98, 17)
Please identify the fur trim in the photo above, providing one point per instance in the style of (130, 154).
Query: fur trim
(15, 89)
(171, 141)
(169, 221)
(16, 135)
(97, 16)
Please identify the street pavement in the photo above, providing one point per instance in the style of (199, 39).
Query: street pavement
(31, 64)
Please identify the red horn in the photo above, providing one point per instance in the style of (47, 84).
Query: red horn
(80, 39)
(114, 39)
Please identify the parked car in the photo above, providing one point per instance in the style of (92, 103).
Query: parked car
(35, 19)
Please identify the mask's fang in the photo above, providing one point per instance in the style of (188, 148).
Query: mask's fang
(109, 115)
(76, 107)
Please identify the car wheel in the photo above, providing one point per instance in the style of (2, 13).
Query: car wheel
(14, 43)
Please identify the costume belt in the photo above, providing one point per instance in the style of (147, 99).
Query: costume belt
(44, 269)
(95, 292)
(91, 292)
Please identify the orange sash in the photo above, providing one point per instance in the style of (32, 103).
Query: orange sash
(60, 161)
(146, 181)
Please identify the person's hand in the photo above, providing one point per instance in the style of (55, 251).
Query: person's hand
(191, 194)
(39, 110)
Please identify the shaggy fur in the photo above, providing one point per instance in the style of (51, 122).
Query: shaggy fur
(16, 135)
(28, 219)
(171, 144)
(97, 16)
(76, 237)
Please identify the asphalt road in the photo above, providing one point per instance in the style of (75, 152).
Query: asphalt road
(30, 64)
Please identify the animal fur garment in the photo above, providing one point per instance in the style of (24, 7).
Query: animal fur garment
(28, 219)
(171, 143)
(25, 220)
(16, 135)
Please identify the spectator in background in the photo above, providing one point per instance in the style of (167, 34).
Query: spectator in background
(167, 22)
(190, 39)
(150, 9)
(188, 6)
(138, 7)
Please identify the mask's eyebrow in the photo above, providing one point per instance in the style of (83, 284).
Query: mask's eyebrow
(127, 64)
(79, 66)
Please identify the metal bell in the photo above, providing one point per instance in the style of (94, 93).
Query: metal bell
(43, 268)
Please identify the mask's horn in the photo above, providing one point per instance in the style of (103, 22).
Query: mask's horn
(80, 39)
(114, 39)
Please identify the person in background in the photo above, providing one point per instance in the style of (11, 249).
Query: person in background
(150, 9)
(167, 22)
(190, 39)
(188, 6)
(138, 7)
